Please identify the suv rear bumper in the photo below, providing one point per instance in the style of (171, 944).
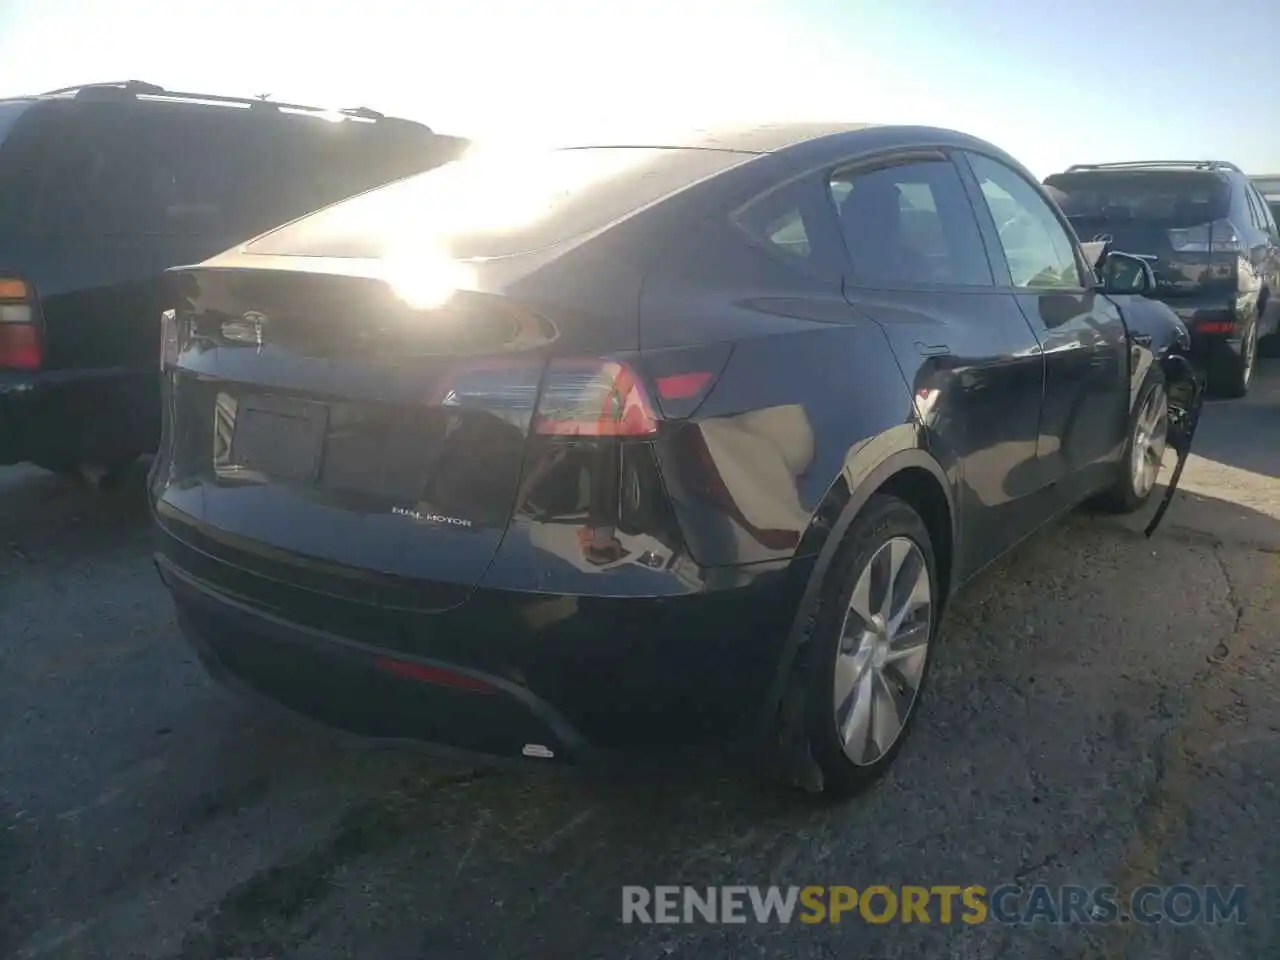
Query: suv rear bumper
(78, 416)
(1216, 327)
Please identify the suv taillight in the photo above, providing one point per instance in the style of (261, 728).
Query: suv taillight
(20, 342)
(1221, 236)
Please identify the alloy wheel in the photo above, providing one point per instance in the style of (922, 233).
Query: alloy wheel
(884, 645)
(1150, 434)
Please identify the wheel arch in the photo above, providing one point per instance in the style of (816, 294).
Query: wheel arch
(912, 475)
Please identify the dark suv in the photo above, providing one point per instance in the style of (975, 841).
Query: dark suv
(1210, 238)
(102, 188)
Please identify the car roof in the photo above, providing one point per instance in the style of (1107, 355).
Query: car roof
(760, 137)
(805, 142)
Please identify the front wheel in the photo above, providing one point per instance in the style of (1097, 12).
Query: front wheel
(862, 669)
(1143, 453)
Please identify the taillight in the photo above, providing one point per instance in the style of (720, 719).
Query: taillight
(168, 339)
(1220, 236)
(627, 397)
(594, 398)
(20, 342)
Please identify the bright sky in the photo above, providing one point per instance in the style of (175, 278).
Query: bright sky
(1053, 82)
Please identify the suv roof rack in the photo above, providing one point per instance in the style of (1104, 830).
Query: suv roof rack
(1139, 164)
(140, 88)
(124, 86)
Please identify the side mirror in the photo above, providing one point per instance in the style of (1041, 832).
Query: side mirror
(1125, 273)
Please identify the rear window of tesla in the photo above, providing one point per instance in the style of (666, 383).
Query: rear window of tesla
(493, 204)
(1165, 196)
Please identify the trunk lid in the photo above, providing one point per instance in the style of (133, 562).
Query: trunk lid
(317, 414)
(1159, 215)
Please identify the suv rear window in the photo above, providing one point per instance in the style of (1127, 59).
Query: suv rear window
(131, 170)
(1173, 197)
(497, 204)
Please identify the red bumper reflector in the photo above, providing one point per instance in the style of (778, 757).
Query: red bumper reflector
(408, 670)
(682, 386)
(1215, 326)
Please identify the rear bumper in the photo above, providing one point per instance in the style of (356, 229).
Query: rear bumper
(1216, 328)
(344, 683)
(504, 673)
(91, 415)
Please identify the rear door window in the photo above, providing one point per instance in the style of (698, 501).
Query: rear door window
(1039, 250)
(1269, 214)
(910, 224)
(794, 223)
(1261, 215)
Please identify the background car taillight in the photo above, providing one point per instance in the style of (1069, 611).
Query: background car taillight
(20, 341)
(615, 398)
(1220, 236)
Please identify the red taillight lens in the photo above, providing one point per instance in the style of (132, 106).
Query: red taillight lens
(20, 343)
(594, 398)
(1215, 326)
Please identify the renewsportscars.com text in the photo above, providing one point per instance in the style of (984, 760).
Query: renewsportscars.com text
(974, 904)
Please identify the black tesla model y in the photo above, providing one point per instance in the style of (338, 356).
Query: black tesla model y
(556, 454)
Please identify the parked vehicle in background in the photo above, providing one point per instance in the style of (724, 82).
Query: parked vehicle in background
(1269, 187)
(103, 187)
(652, 445)
(1211, 241)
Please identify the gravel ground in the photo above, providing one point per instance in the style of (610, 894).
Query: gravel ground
(1103, 710)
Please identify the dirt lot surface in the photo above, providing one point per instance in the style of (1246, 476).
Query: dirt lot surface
(1103, 710)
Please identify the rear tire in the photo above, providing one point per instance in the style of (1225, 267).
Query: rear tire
(1144, 449)
(1231, 373)
(861, 671)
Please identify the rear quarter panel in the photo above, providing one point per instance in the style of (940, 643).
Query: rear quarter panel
(810, 402)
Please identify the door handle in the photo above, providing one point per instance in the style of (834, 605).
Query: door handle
(933, 350)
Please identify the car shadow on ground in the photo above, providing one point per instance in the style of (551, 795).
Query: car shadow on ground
(42, 509)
